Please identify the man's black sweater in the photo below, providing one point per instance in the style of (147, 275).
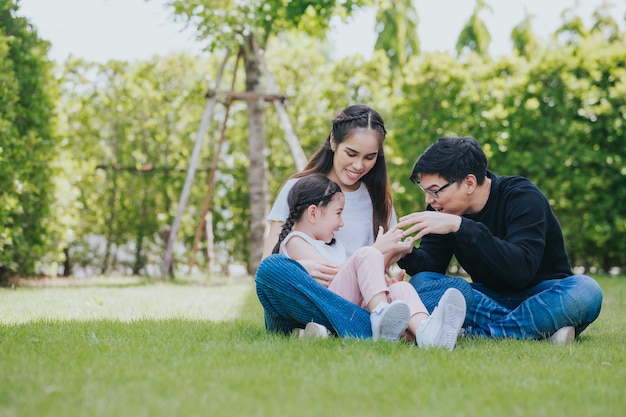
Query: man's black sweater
(514, 242)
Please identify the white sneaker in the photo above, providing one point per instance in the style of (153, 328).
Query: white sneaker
(442, 327)
(563, 336)
(314, 330)
(389, 321)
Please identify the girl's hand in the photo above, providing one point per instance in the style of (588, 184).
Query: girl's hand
(392, 280)
(393, 241)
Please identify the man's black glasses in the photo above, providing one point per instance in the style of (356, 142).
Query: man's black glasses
(434, 193)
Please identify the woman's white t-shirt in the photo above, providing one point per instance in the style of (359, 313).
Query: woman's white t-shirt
(335, 253)
(357, 216)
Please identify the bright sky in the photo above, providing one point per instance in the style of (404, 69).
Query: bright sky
(100, 30)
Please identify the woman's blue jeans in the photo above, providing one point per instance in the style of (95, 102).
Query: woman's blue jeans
(533, 313)
(291, 298)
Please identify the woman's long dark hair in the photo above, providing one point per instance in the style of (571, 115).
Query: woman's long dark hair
(345, 124)
(313, 189)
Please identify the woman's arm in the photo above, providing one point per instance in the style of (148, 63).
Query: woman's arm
(272, 237)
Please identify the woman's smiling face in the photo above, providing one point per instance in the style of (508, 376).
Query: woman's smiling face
(353, 158)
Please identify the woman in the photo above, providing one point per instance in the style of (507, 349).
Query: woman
(353, 157)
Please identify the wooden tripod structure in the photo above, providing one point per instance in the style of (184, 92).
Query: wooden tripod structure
(229, 96)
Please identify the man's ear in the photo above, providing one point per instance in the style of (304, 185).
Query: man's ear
(470, 183)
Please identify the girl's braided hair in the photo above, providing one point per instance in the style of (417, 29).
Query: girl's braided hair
(346, 123)
(313, 189)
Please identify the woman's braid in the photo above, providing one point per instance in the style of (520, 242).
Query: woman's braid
(367, 116)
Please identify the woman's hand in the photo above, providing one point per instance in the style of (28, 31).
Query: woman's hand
(321, 272)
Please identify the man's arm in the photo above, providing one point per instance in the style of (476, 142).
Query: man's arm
(512, 259)
(433, 255)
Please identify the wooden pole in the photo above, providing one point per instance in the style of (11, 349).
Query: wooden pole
(209, 194)
(211, 181)
(246, 95)
(210, 239)
(167, 260)
(294, 144)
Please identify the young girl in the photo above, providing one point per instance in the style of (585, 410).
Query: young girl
(315, 207)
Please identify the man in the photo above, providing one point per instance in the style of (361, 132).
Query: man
(504, 234)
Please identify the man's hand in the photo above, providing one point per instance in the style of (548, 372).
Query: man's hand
(429, 222)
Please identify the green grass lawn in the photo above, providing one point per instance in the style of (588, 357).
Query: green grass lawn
(196, 350)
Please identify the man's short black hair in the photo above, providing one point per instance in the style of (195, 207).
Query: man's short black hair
(452, 158)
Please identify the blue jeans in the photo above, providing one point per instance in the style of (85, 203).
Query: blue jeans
(532, 313)
(291, 298)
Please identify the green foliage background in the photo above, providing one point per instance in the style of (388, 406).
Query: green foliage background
(93, 156)
(557, 118)
(26, 143)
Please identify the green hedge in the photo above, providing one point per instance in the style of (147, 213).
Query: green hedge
(557, 118)
(26, 143)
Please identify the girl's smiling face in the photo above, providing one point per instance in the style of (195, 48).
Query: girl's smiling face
(328, 218)
(353, 158)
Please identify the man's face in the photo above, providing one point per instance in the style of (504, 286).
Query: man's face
(443, 195)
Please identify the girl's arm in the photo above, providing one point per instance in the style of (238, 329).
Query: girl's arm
(299, 250)
(316, 265)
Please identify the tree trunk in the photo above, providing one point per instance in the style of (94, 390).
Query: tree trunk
(67, 263)
(257, 177)
(140, 258)
(110, 236)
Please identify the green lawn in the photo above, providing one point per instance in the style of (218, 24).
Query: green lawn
(198, 350)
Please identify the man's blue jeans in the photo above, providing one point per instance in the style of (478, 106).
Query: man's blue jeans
(533, 313)
(291, 298)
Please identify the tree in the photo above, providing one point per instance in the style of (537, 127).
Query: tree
(245, 27)
(126, 129)
(572, 29)
(524, 40)
(396, 26)
(27, 143)
(605, 24)
(475, 36)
